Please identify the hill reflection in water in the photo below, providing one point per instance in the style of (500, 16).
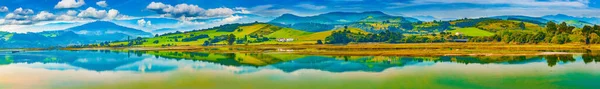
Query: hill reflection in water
(162, 61)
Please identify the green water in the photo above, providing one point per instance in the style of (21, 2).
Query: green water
(200, 70)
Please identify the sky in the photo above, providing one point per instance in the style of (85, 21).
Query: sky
(148, 15)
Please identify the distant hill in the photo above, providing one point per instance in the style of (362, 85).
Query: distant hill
(94, 32)
(332, 18)
(577, 23)
(535, 20)
(328, 21)
(563, 17)
(103, 28)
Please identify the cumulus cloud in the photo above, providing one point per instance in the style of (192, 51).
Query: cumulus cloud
(188, 10)
(3, 9)
(69, 4)
(71, 12)
(144, 23)
(13, 16)
(231, 19)
(310, 6)
(43, 16)
(22, 11)
(19, 16)
(219, 12)
(71, 15)
(102, 4)
(112, 13)
(93, 13)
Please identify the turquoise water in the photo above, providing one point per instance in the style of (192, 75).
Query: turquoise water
(103, 69)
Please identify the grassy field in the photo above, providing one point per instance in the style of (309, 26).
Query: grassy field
(471, 31)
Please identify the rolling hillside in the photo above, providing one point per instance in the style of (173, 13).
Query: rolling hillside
(253, 33)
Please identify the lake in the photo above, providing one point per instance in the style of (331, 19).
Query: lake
(103, 69)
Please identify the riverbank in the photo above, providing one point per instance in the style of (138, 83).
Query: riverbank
(377, 49)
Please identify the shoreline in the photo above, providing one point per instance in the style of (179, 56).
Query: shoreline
(376, 49)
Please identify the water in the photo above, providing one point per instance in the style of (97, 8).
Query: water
(191, 70)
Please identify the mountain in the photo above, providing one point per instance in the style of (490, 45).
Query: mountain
(563, 17)
(327, 21)
(105, 28)
(535, 20)
(577, 23)
(293, 19)
(93, 32)
(42, 39)
(331, 18)
(425, 18)
(164, 30)
(392, 19)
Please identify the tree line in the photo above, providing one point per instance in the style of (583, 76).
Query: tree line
(553, 33)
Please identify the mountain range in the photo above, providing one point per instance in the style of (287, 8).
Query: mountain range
(93, 32)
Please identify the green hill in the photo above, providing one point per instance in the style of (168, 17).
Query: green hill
(471, 31)
(254, 33)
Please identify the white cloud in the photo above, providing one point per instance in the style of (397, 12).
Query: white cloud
(310, 6)
(157, 6)
(93, 13)
(112, 13)
(2, 21)
(13, 16)
(72, 12)
(102, 4)
(22, 11)
(69, 4)
(241, 10)
(43, 16)
(188, 10)
(268, 10)
(216, 12)
(3, 9)
(144, 23)
(231, 19)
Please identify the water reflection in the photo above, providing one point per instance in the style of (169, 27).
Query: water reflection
(161, 61)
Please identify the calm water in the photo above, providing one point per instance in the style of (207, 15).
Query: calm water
(191, 70)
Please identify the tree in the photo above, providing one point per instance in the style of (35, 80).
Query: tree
(155, 42)
(206, 43)
(319, 42)
(230, 39)
(522, 25)
(586, 31)
(563, 27)
(551, 27)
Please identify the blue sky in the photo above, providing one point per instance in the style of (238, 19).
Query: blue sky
(43, 15)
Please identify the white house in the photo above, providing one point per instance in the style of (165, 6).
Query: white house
(285, 39)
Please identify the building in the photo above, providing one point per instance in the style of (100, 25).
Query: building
(285, 39)
(458, 33)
